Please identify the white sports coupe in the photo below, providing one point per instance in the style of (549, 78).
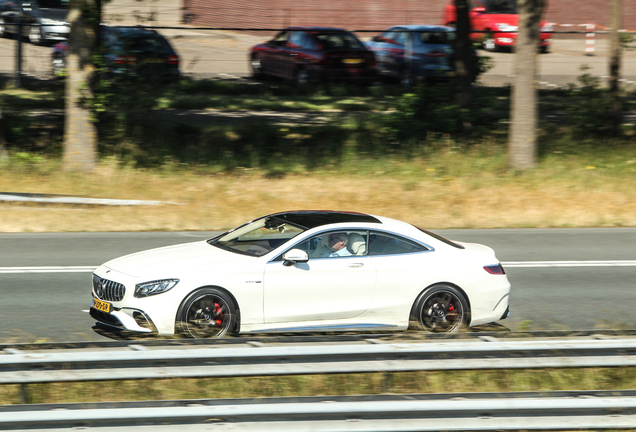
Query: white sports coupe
(304, 271)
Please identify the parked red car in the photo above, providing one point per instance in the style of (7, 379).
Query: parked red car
(495, 23)
(306, 54)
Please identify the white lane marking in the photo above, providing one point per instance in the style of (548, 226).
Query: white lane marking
(569, 264)
(511, 264)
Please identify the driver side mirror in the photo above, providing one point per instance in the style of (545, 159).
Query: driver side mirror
(295, 256)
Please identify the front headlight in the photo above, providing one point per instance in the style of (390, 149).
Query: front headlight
(506, 27)
(48, 21)
(148, 289)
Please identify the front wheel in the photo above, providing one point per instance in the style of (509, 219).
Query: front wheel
(441, 309)
(207, 313)
(35, 35)
(257, 68)
(302, 76)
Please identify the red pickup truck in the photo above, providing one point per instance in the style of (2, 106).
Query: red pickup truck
(495, 23)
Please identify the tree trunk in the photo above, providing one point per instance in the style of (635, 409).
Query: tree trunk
(80, 133)
(463, 56)
(615, 104)
(522, 142)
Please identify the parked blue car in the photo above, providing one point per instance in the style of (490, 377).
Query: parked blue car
(410, 52)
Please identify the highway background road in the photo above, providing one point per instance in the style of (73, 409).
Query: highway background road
(39, 304)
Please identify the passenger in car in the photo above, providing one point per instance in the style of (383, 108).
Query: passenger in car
(337, 245)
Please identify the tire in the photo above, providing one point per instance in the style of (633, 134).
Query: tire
(490, 45)
(441, 309)
(58, 67)
(35, 35)
(257, 68)
(406, 78)
(207, 313)
(302, 76)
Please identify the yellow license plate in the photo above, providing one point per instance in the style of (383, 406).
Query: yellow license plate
(102, 306)
(154, 60)
(353, 61)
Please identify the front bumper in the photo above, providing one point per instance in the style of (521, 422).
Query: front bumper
(125, 319)
(509, 39)
(58, 32)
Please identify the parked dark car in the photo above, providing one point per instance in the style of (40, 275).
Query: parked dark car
(128, 51)
(43, 21)
(306, 54)
(409, 52)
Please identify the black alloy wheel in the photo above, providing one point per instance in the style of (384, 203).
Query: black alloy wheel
(207, 313)
(441, 309)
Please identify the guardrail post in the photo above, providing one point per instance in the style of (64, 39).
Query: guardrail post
(387, 383)
(25, 397)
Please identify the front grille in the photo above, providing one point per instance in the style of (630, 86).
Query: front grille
(108, 290)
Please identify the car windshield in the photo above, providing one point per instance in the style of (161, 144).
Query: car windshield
(501, 6)
(53, 4)
(258, 237)
(338, 40)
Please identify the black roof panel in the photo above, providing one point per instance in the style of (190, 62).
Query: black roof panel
(315, 218)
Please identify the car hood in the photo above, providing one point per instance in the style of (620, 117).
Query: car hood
(172, 258)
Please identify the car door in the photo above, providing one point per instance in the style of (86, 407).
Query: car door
(324, 288)
(383, 46)
(272, 56)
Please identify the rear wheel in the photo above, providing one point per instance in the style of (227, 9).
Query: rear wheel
(441, 309)
(207, 313)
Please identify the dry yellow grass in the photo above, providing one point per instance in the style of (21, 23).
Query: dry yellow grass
(214, 201)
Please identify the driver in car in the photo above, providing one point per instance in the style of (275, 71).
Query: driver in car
(337, 245)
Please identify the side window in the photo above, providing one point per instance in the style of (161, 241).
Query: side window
(295, 40)
(400, 38)
(388, 244)
(335, 244)
(308, 42)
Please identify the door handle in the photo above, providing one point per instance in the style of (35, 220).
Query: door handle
(355, 265)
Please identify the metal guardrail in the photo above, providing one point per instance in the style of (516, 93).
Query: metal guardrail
(466, 412)
(258, 359)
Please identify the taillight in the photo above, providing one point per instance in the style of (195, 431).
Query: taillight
(126, 59)
(173, 59)
(496, 269)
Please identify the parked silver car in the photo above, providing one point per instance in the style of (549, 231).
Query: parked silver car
(409, 52)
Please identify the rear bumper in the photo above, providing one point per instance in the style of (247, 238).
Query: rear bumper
(509, 39)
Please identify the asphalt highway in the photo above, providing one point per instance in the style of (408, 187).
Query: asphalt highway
(563, 279)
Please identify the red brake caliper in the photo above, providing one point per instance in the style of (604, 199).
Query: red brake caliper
(218, 313)
(451, 309)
